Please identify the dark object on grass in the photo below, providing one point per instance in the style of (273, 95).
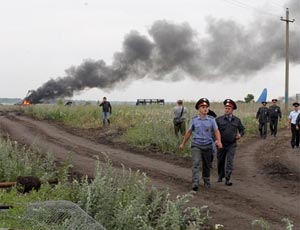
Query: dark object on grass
(2, 206)
(69, 103)
(27, 183)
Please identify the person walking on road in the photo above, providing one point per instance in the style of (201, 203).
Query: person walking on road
(275, 115)
(106, 111)
(179, 112)
(203, 127)
(231, 130)
(214, 147)
(298, 125)
(262, 116)
(293, 116)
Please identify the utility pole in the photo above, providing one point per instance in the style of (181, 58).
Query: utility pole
(287, 20)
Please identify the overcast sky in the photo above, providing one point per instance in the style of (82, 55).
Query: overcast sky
(129, 49)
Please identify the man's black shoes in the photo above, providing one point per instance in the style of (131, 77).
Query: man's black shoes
(228, 183)
(195, 188)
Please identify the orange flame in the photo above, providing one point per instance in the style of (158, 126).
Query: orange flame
(26, 102)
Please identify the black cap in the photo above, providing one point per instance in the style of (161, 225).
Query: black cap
(264, 102)
(231, 103)
(202, 101)
(296, 104)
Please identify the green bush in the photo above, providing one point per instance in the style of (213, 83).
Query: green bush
(127, 201)
(21, 161)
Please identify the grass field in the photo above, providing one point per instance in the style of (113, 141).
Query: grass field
(110, 199)
(142, 126)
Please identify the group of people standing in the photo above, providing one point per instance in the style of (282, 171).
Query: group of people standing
(271, 115)
(209, 132)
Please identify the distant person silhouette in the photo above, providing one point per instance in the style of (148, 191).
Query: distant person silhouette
(275, 115)
(179, 112)
(106, 111)
(293, 116)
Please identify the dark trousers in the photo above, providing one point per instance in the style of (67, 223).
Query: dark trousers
(213, 150)
(225, 160)
(273, 126)
(201, 152)
(262, 127)
(295, 136)
(180, 128)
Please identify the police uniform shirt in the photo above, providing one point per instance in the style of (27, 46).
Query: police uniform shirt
(203, 129)
(274, 111)
(229, 128)
(293, 116)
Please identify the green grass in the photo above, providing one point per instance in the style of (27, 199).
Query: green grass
(19, 160)
(144, 127)
(117, 200)
(125, 201)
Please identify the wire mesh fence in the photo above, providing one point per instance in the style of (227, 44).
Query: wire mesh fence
(61, 214)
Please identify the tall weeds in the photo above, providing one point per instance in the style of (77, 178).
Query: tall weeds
(19, 160)
(146, 127)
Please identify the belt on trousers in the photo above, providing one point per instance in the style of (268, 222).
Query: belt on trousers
(198, 145)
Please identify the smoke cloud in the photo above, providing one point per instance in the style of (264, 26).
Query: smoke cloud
(228, 50)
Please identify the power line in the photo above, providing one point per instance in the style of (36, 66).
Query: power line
(246, 6)
(277, 5)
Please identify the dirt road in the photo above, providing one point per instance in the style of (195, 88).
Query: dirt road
(266, 176)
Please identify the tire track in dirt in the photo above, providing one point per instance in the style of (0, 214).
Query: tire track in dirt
(249, 198)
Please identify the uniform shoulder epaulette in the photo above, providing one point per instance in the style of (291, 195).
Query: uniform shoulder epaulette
(235, 117)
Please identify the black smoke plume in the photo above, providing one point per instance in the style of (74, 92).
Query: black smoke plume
(228, 50)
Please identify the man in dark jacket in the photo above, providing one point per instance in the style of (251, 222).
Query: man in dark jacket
(231, 130)
(274, 114)
(106, 110)
(298, 127)
(262, 116)
(214, 148)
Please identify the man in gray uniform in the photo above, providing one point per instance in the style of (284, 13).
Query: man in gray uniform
(263, 117)
(231, 130)
(179, 112)
(275, 114)
(203, 127)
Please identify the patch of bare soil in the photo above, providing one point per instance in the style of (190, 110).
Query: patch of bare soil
(265, 181)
